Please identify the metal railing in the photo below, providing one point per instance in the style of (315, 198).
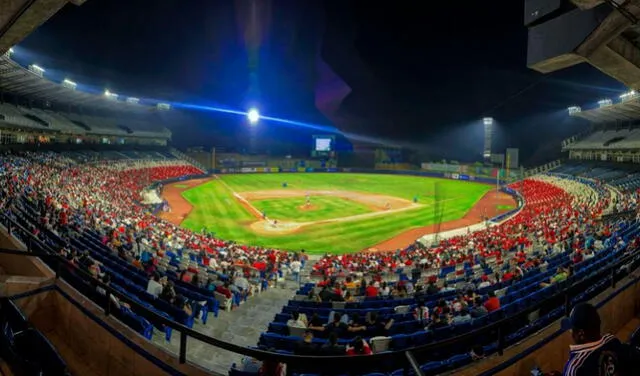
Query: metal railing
(408, 360)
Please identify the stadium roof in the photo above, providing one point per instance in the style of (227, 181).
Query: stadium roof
(628, 110)
(602, 33)
(16, 79)
(18, 18)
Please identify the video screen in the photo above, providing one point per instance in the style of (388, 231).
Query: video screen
(323, 144)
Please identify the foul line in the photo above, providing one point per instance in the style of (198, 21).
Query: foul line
(240, 198)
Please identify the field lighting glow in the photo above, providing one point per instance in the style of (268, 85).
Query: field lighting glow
(222, 110)
(253, 115)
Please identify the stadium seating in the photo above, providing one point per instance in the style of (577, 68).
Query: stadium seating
(89, 213)
(603, 243)
(18, 340)
(78, 124)
(111, 184)
(609, 139)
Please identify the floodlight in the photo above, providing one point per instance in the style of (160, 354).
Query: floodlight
(253, 115)
(605, 102)
(36, 69)
(69, 84)
(110, 95)
(133, 100)
(11, 51)
(163, 106)
(574, 110)
(628, 95)
(487, 121)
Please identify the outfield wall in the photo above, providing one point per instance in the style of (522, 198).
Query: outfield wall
(268, 170)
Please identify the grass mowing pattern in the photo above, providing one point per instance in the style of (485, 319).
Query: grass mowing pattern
(323, 207)
(216, 209)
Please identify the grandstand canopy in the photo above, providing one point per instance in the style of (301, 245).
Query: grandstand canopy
(20, 81)
(18, 18)
(601, 33)
(624, 111)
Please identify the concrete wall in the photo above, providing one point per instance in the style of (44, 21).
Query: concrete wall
(87, 344)
(19, 265)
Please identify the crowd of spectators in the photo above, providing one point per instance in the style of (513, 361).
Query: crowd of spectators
(560, 216)
(550, 213)
(71, 198)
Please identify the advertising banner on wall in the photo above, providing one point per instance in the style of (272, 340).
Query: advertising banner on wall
(247, 169)
(441, 167)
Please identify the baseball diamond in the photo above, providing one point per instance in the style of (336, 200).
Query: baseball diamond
(329, 212)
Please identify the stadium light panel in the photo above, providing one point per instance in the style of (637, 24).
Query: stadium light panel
(574, 110)
(69, 84)
(253, 115)
(110, 95)
(133, 100)
(164, 106)
(628, 95)
(10, 52)
(487, 121)
(605, 102)
(36, 69)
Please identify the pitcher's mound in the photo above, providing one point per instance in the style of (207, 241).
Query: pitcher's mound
(306, 207)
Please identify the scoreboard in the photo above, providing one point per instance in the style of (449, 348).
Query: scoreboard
(323, 146)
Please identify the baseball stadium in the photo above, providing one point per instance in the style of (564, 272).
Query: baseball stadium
(156, 234)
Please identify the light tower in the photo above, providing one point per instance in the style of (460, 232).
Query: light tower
(488, 134)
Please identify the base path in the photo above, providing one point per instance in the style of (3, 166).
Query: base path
(180, 208)
(492, 204)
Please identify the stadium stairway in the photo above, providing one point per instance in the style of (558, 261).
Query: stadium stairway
(242, 326)
(180, 155)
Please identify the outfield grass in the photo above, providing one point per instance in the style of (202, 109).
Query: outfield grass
(323, 207)
(216, 209)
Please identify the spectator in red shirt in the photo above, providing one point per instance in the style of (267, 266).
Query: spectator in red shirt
(493, 303)
(359, 347)
(372, 290)
(224, 290)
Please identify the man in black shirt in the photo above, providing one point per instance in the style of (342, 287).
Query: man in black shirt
(594, 354)
(336, 326)
(306, 346)
(331, 348)
(376, 326)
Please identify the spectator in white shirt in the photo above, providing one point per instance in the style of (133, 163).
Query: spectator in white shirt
(295, 322)
(154, 287)
(295, 266)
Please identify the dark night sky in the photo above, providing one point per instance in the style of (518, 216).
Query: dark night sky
(431, 71)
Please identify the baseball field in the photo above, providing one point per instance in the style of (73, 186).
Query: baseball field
(328, 212)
